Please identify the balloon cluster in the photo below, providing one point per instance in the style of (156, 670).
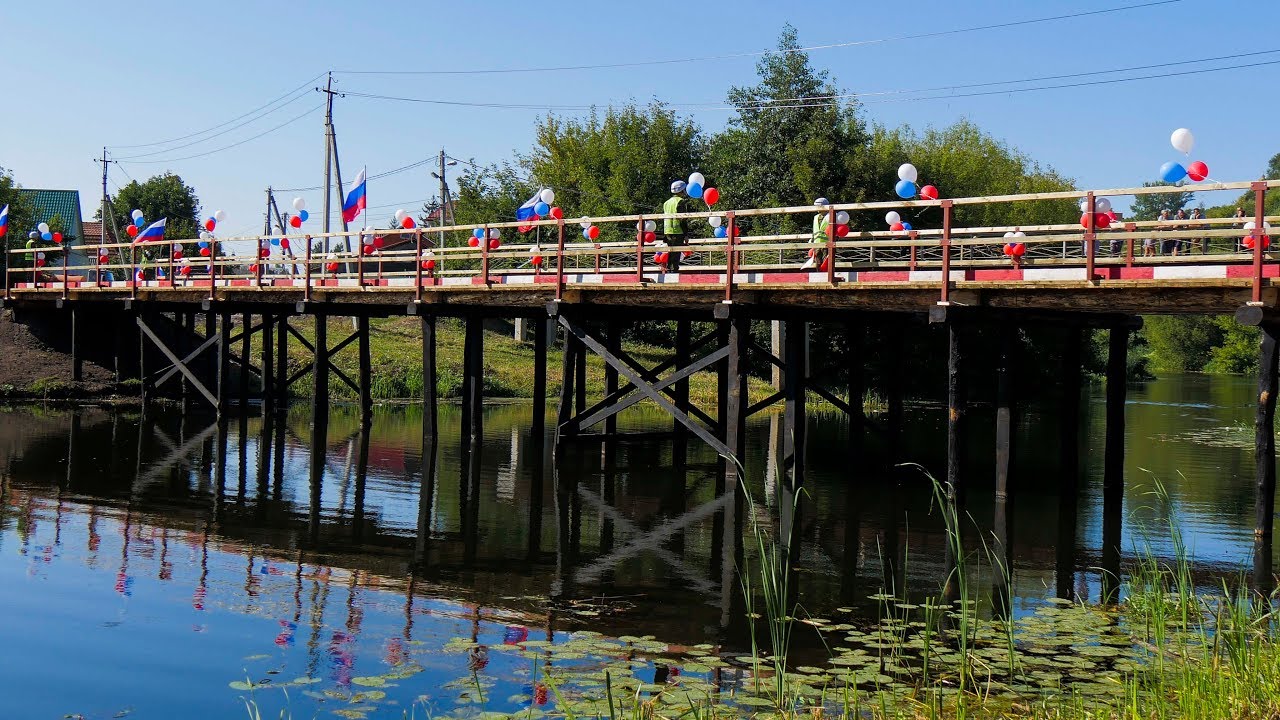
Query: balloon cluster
(717, 223)
(1103, 215)
(405, 220)
(136, 226)
(301, 206)
(906, 187)
(495, 242)
(1012, 246)
(212, 221)
(332, 265)
(428, 260)
(649, 232)
(369, 242)
(589, 231)
(1249, 242)
(697, 189)
(894, 221)
(1172, 172)
(542, 208)
(42, 232)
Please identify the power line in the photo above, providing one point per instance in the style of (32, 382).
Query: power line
(759, 53)
(388, 173)
(220, 125)
(228, 147)
(254, 119)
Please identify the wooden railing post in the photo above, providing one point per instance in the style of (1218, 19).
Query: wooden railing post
(640, 250)
(306, 271)
(731, 257)
(360, 246)
(946, 252)
(133, 271)
(1128, 253)
(912, 236)
(1090, 249)
(417, 262)
(559, 258)
(1259, 232)
(831, 245)
(213, 268)
(65, 275)
(258, 262)
(484, 257)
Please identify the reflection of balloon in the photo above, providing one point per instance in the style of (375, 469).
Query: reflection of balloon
(1197, 171)
(905, 189)
(711, 195)
(1172, 172)
(132, 231)
(892, 217)
(697, 179)
(908, 172)
(299, 203)
(547, 196)
(694, 190)
(1182, 140)
(929, 192)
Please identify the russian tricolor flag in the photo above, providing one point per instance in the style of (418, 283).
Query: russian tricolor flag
(4, 220)
(154, 231)
(356, 200)
(525, 211)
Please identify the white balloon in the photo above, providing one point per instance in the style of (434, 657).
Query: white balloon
(43, 227)
(39, 256)
(299, 203)
(135, 214)
(494, 234)
(907, 172)
(177, 247)
(650, 226)
(892, 217)
(547, 196)
(715, 221)
(698, 179)
(264, 243)
(842, 218)
(1103, 205)
(585, 222)
(367, 239)
(1266, 226)
(1009, 234)
(333, 256)
(400, 215)
(1182, 140)
(1019, 234)
(1084, 204)
(220, 216)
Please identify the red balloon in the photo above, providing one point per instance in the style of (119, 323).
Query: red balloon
(535, 218)
(1102, 220)
(1020, 249)
(1197, 171)
(593, 232)
(407, 223)
(495, 243)
(660, 258)
(186, 270)
(177, 254)
(378, 241)
(826, 264)
(210, 224)
(332, 267)
(132, 231)
(428, 264)
(57, 237)
(737, 230)
(896, 227)
(842, 231)
(536, 260)
(265, 252)
(368, 249)
(40, 262)
(253, 269)
(525, 228)
(473, 241)
(711, 195)
(284, 243)
(103, 259)
(557, 213)
(295, 221)
(650, 237)
(1008, 249)
(204, 251)
(928, 192)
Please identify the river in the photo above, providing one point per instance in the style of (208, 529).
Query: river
(159, 566)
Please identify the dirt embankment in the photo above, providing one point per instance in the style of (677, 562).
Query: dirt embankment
(31, 369)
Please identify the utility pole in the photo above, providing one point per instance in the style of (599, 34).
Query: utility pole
(331, 164)
(445, 161)
(107, 215)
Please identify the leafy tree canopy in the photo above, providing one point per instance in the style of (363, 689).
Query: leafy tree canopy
(161, 196)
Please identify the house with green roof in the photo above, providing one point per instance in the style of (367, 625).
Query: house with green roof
(63, 204)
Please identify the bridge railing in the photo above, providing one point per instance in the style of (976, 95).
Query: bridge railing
(757, 247)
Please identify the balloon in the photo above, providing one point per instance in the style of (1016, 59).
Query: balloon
(1102, 205)
(593, 232)
(43, 228)
(1020, 249)
(694, 190)
(378, 242)
(1182, 140)
(1084, 220)
(407, 223)
(842, 230)
(715, 221)
(897, 227)
(1197, 171)
(650, 226)
(842, 218)
(586, 234)
(299, 203)
(547, 196)
(907, 172)
(57, 237)
(905, 189)
(204, 252)
(1008, 247)
(46, 236)
(104, 259)
(584, 222)
(400, 214)
(711, 195)
(332, 267)
(697, 179)
(210, 224)
(304, 215)
(929, 192)
(366, 239)
(477, 233)
(219, 216)
(525, 228)
(542, 208)
(495, 243)
(136, 215)
(906, 226)
(265, 252)
(495, 233)
(186, 270)
(203, 244)
(295, 221)
(1266, 226)
(132, 230)
(660, 258)
(536, 260)
(650, 237)
(1172, 172)
(1102, 220)
(474, 241)
(892, 218)
(284, 243)
(428, 264)
(368, 249)
(39, 256)
(253, 269)
(557, 213)
(722, 232)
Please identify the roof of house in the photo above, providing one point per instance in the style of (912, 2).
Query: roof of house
(62, 203)
(93, 233)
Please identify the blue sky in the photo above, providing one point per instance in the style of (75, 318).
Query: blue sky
(86, 74)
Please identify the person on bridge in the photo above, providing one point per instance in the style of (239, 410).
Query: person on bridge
(821, 222)
(673, 228)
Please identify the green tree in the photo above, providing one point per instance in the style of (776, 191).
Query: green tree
(1148, 207)
(161, 196)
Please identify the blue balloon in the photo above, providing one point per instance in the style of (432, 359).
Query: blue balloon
(478, 233)
(303, 215)
(541, 208)
(1172, 172)
(202, 244)
(108, 276)
(721, 232)
(586, 233)
(694, 190)
(905, 189)
(906, 226)
(275, 241)
(47, 237)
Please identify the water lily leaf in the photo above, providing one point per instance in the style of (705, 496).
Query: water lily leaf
(240, 685)
(368, 681)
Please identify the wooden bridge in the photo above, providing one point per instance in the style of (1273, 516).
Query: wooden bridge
(1068, 275)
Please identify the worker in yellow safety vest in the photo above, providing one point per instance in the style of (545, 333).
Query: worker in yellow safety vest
(673, 228)
(820, 223)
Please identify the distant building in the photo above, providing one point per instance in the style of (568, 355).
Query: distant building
(65, 205)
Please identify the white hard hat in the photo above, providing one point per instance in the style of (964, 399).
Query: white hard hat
(822, 201)
(678, 187)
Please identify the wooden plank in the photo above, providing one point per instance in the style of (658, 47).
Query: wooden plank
(319, 395)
